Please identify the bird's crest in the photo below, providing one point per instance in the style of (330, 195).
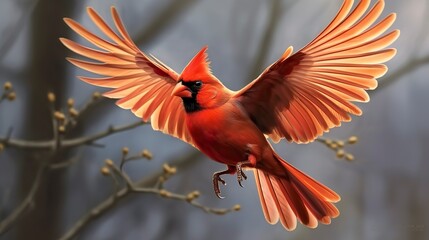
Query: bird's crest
(198, 68)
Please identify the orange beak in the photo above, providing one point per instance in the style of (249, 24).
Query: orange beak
(181, 90)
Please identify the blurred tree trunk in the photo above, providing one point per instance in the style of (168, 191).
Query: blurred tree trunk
(47, 69)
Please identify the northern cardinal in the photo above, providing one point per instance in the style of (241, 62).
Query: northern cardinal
(299, 97)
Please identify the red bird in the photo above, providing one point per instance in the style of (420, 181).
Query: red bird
(299, 97)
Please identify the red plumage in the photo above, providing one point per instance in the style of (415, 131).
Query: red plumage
(299, 97)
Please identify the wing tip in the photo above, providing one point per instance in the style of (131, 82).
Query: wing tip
(115, 14)
(64, 40)
(72, 24)
(335, 200)
(113, 9)
(373, 87)
(68, 20)
(393, 53)
(71, 60)
(397, 32)
(393, 15)
(287, 53)
(89, 10)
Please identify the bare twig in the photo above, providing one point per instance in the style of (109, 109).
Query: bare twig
(6, 223)
(145, 154)
(338, 145)
(55, 128)
(68, 143)
(90, 139)
(55, 144)
(63, 164)
(88, 105)
(139, 186)
(122, 175)
(186, 198)
(95, 213)
(7, 92)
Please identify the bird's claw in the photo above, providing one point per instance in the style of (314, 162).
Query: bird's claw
(216, 180)
(240, 175)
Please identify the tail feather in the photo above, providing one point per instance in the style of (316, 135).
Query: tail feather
(270, 201)
(292, 197)
(275, 206)
(295, 196)
(309, 182)
(317, 206)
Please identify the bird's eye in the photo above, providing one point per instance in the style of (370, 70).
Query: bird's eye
(198, 84)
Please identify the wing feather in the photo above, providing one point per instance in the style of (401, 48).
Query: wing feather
(142, 84)
(312, 90)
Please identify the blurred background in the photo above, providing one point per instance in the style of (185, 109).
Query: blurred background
(45, 194)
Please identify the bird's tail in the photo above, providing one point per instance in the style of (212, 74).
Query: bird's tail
(293, 196)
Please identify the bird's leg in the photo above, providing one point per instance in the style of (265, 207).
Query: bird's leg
(217, 179)
(251, 151)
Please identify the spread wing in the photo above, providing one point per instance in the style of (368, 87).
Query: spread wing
(300, 97)
(141, 83)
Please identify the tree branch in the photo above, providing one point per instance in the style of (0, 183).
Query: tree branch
(143, 186)
(7, 92)
(6, 223)
(90, 139)
(67, 143)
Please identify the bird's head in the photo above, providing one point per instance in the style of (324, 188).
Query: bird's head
(198, 87)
